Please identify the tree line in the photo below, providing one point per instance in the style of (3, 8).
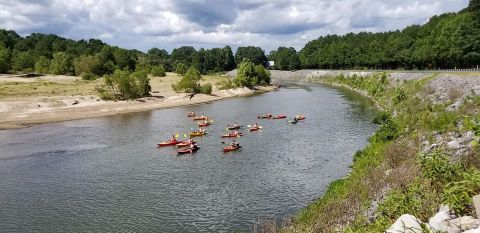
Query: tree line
(446, 41)
(51, 54)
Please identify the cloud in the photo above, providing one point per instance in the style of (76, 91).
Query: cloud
(142, 24)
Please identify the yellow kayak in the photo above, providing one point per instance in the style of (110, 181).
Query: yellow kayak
(197, 134)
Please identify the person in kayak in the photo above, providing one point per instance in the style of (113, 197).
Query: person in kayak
(173, 139)
(234, 144)
(256, 125)
(205, 122)
(235, 133)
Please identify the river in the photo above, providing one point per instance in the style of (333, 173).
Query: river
(106, 174)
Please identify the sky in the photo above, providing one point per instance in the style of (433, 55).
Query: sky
(167, 24)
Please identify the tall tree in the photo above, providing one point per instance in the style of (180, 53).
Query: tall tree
(251, 53)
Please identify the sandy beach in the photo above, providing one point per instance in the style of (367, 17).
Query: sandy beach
(36, 106)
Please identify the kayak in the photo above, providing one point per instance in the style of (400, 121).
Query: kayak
(203, 124)
(192, 114)
(184, 144)
(200, 118)
(234, 127)
(232, 135)
(266, 116)
(231, 148)
(279, 117)
(169, 143)
(197, 134)
(254, 129)
(300, 117)
(187, 150)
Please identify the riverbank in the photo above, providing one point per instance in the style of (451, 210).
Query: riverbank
(429, 122)
(27, 101)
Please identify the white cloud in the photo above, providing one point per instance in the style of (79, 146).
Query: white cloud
(143, 24)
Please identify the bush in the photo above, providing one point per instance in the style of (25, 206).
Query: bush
(249, 75)
(125, 85)
(388, 131)
(437, 167)
(61, 64)
(88, 76)
(189, 82)
(458, 195)
(181, 69)
(87, 64)
(442, 121)
(42, 65)
(206, 89)
(400, 95)
(158, 71)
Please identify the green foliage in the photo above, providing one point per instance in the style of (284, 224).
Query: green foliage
(458, 195)
(4, 58)
(446, 41)
(190, 82)
(61, 64)
(251, 53)
(442, 120)
(23, 61)
(87, 64)
(42, 65)
(181, 69)
(249, 75)
(206, 89)
(125, 85)
(88, 76)
(400, 95)
(437, 167)
(285, 59)
(158, 71)
(388, 130)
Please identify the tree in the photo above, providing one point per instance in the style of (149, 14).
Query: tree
(474, 6)
(42, 65)
(251, 53)
(87, 64)
(4, 58)
(246, 74)
(184, 54)
(61, 64)
(23, 61)
(126, 85)
(190, 82)
(286, 59)
(262, 74)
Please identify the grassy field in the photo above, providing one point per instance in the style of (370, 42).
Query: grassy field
(52, 86)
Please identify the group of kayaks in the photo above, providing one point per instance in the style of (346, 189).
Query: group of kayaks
(190, 146)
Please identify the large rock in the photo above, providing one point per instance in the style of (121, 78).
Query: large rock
(438, 221)
(465, 223)
(473, 231)
(406, 224)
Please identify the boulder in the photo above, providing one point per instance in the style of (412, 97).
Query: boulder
(477, 230)
(406, 223)
(465, 223)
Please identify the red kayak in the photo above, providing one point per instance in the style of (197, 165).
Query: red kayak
(187, 150)
(231, 148)
(279, 117)
(254, 129)
(200, 118)
(184, 144)
(169, 143)
(204, 124)
(232, 135)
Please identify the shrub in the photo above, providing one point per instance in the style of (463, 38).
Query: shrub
(125, 85)
(458, 195)
(42, 65)
(189, 82)
(88, 76)
(181, 69)
(225, 84)
(442, 121)
(87, 64)
(158, 71)
(437, 167)
(206, 89)
(61, 64)
(388, 131)
(400, 95)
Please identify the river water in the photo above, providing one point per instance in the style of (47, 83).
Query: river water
(106, 174)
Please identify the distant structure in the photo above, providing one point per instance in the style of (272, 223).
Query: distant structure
(271, 64)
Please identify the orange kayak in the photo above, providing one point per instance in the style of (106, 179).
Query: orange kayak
(169, 143)
(200, 118)
(232, 135)
(279, 117)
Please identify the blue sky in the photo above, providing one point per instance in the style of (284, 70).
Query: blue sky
(143, 24)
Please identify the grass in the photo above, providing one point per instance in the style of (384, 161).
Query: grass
(47, 87)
